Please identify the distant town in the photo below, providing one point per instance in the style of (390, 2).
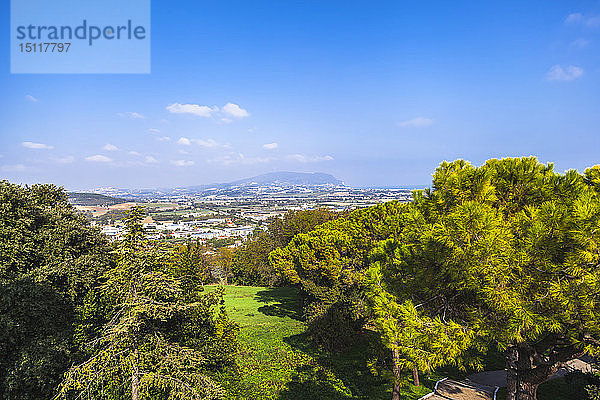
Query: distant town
(226, 214)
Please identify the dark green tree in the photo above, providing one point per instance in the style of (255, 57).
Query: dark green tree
(191, 262)
(162, 337)
(292, 223)
(50, 258)
(250, 265)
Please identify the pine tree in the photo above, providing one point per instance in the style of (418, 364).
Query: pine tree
(418, 343)
(146, 349)
(50, 257)
(506, 255)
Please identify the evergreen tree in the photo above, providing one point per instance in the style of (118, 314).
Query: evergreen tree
(159, 341)
(329, 264)
(503, 255)
(251, 266)
(50, 258)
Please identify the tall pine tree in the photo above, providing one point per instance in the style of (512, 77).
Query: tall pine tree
(158, 340)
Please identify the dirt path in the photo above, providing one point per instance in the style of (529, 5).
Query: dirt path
(498, 378)
(484, 385)
(461, 390)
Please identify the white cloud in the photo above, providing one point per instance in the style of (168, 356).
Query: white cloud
(228, 111)
(64, 160)
(184, 141)
(580, 43)
(133, 153)
(164, 139)
(574, 18)
(33, 145)
(589, 21)
(239, 159)
(14, 168)
(200, 142)
(418, 122)
(270, 146)
(206, 143)
(133, 115)
(183, 152)
(150, 160)
(110, 147)
(308, 159)
(31, 98)
(195, 109)
(154, 130)
(182, 163)
(235, 111)
(558, 73)
(98, 158)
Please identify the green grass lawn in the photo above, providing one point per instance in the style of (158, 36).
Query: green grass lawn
(277, 361)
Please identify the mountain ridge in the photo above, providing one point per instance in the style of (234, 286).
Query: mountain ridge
(280, 178)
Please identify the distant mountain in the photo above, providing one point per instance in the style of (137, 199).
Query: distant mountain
(93, 199)
(288, 178)
(274, 181)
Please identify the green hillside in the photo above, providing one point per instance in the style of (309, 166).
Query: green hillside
(93, 199)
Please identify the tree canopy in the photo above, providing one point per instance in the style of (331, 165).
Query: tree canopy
(507, 255)
(329, 265)
(50, 257)
(251, 265)
(162, 336)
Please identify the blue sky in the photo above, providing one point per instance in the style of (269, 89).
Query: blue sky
(376, 93)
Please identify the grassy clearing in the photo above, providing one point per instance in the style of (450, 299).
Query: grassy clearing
(277, 361)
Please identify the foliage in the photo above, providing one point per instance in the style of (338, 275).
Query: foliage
(573, 386)
(162, 336)
(418, 342)
(222, 259)
(592, 380)
(191, 263)
(301, 221)
(110, 217)
(49, 259)
(93, 199)
(277, 362)
(217, 243)
(329, 265)
(505, 253)
(251, 263)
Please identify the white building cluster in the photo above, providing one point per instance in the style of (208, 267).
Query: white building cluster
(189, 229)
